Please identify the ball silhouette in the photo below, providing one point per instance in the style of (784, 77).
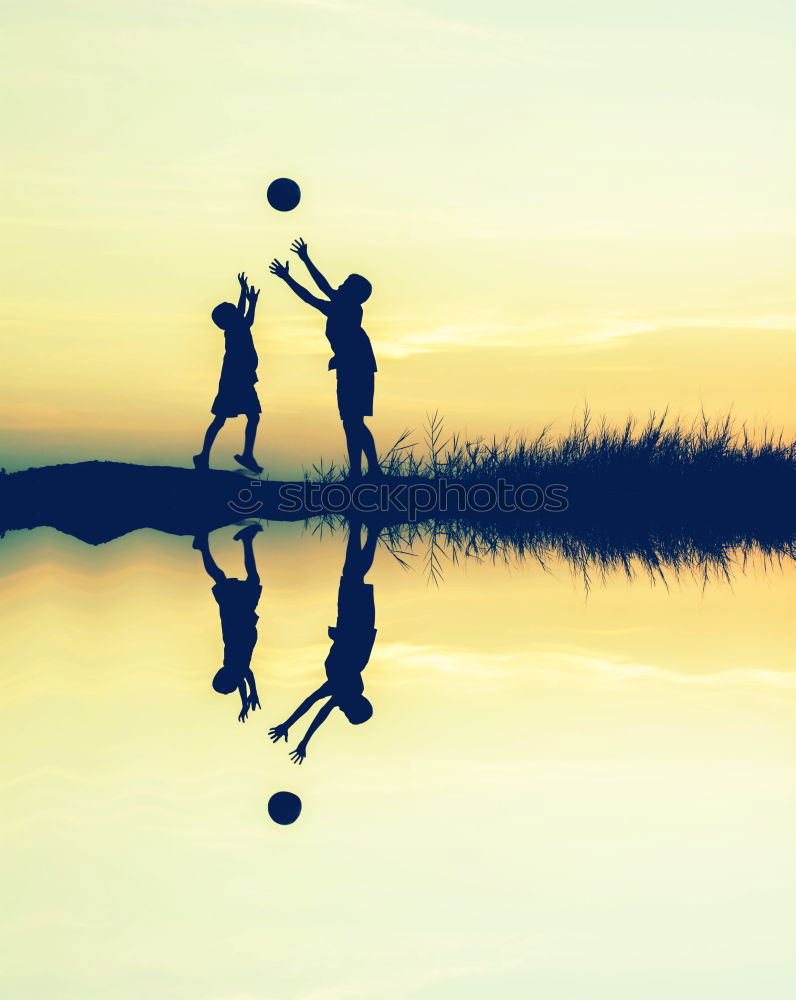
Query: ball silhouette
(283, 194)
(284, 808)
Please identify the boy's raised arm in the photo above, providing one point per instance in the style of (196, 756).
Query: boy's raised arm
(279, 732)
(298, 755)
(300, 248)
(244, 290)
(254, 699)
(244, 701)
(283, 271)
(252, 295)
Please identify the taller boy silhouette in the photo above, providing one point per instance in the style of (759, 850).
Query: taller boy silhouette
(353, 358)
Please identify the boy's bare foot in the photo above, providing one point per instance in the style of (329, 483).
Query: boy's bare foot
(247, 531)
(249, 462)
(200, 462)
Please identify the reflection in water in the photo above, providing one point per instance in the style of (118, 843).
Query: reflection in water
(628, 547)
(713, 552)
(237, 605)
(617, 771)
(352, 643)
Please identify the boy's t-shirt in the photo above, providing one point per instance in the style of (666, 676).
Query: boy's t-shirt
(353, 636)
(353, 352)
(237, 602)
(240, 357)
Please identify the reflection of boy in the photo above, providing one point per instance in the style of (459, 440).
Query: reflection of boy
(352, 643)
(237, 605)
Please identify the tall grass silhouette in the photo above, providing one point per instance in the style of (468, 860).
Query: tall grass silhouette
(642, 453)
(661, 497)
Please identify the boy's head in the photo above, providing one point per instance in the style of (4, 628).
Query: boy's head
(357, 710)
(224, 315)
(356, 288)
(225, 681)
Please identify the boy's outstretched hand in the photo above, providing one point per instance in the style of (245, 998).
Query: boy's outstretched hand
(279, 269)
(298, 755)
(278, 733)
(252, 295)
(243, 281)
(299, 247)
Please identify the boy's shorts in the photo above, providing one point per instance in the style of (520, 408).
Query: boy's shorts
(355, 394)
(232, 401)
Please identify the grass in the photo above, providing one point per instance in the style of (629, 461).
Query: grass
(661, 497)
(436, 544)
(653, 448)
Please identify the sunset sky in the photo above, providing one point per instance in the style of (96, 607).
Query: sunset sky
(561, 794)
(556, 204)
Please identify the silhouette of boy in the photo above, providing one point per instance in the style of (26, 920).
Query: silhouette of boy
(236, 392)
(353, 358)
(352, 643)
(237, 605)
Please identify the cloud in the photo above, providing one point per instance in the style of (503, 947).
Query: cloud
(454, 336)
(503, 955)
(497, 45)
(397, 664)
(555, 337)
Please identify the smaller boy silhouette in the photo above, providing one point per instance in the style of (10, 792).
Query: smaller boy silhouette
(237, 605)
(352, 643)
(236, 393)
(353, 358)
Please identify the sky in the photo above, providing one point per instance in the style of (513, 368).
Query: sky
(556, 204)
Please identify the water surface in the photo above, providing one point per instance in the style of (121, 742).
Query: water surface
(560, 793)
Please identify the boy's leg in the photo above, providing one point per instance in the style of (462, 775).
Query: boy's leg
(211, 567)
(252, 576)
(352, 428)
(369, 447)
(353, 549)
(246, 458)
(369, 549)
(246, 536)
(201, 460)
(359, 557)
(252, 423)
